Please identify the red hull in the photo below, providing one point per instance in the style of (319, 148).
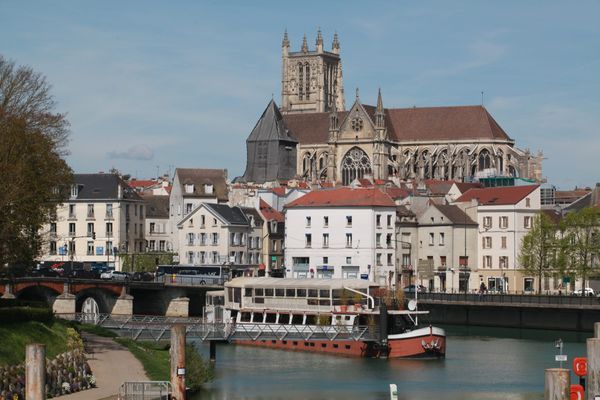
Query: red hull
(398, 348)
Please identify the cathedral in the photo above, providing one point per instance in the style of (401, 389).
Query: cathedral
(312, 136)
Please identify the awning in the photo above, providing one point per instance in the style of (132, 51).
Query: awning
(261, 266)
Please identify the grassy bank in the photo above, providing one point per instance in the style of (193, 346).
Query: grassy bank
(14, 337)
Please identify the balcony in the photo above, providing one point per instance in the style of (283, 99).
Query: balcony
(108, 215)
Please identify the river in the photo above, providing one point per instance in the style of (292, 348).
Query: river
(481, 363)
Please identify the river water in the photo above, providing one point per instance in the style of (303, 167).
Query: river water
(481, 363)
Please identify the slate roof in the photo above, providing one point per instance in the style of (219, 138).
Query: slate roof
(198, 177)
(344, 197)
(103, 187)
(258, 218)
(502, 195)
(270, 126)
(455, 214)
(408, 124)
(156, 206)
(233, 215)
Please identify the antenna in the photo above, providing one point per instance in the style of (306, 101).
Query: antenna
(482, 98)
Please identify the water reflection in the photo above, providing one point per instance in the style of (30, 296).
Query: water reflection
(481, 363)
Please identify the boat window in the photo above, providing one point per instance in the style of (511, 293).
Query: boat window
(259, 300)
(258, 317)
(248, 292)
(258, 292)
(209, 301)
(301, 292)
(335, 346)
(271, 318)
(323, 302)
(311, 320)
(279, 292)
(290, 292)
(324, 293)
(297, 319)
(324, 320)
(245, 317)
(284, 318)
(269, 292)
(312, 302)
(237, 295)
(313, 293)
(230, 294)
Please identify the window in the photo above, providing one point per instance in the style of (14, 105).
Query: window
(431, 238)
(527, 202)
(188, 208)
(503, 242)
(348, 260)
(52, 248)
(348, 220)
(71, 210)
(390, 259)
(190, 239)
(503, 222)
(74, 191)
(208, 188)
(388, 241)
(109, 248)
(202, 221)
(203, 239)
(190, 257)
(389, 221)
(109, 210)
(348, 240)
(72, 229)
(325, 260)
(378, 240)
(326, 240)
(135, 207)
(405, 260)
(53, 229)
(90, 248)
(326, 221)
(215, 257)
(72, 247)
(308, 220)
(189, 188)
(441, 243)
(443, 261)
(152, 245)
(214, 222)
(308, 240)
(503, 262)
(202, 257)
(127, 211)
(487, 222)
(378, 220)
(486, 242)
(90, 211)
(141, 211)
(274, 245)
(215, 239)
(109, 229)
(527, 222)
(378, 258)
(161, 245)
(487, 261)
(528, 285)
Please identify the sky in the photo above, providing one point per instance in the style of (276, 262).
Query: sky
(149, 86)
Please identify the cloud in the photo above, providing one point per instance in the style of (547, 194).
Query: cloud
(137, 152)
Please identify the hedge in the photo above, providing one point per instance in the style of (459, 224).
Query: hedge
(24, 314)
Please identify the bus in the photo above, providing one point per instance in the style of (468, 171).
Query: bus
(192, 275)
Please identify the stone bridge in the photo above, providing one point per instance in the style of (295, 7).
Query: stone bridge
(67, 296)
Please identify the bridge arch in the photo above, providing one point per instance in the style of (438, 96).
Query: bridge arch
(105, 300)
(42, 293)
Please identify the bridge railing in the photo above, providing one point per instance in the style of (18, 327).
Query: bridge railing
(145, 390)
(511, 298)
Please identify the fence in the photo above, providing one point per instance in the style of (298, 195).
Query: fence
(511, 298)
(148, 390)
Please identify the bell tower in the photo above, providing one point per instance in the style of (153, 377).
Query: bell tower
(311, 79)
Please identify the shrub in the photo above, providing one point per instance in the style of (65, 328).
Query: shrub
(23, 314)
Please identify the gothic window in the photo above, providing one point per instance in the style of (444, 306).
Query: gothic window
(300, 81)
(306, 161)
(485, 161)
(323, 165)
(500, 162)
(307, 71)
(357, 124)
(356, 164)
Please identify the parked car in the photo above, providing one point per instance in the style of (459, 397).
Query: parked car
(588, 292)
(46, 272)
(142, 276)
(115, 275)
(411, 289)
(84, 274)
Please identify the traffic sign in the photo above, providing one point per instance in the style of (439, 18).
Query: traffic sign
(560, 357)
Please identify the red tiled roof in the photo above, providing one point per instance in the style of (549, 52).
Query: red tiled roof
(303, 185)
(438, 187)
(279, 191)
(344, 197)
(498, 195)
(327, 184)
(464, 186)
(142, 183)
(269, 213)
(364, 182)
(407, 124)
(397, 193)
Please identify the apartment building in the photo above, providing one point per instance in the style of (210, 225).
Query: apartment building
(102, 218)
(158, 223)
(273, 239)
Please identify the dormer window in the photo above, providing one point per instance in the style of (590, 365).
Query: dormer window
(208, 188)
(74, 191)
(189, 188)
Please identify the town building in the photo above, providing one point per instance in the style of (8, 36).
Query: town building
(504, 215)
(273, 240)
(334, 144)
(217, 234)
(158, 223)
(341, 233)
(102, 219)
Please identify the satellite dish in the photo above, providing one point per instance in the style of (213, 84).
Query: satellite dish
(412, 305)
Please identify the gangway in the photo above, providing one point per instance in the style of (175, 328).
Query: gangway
(152, 327)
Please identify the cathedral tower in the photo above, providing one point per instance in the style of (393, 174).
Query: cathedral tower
(311, 79)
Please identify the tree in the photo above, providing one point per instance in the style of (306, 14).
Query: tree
(582, 242)
(32, 142)
(537, 248)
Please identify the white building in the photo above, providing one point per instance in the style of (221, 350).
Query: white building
(158, 224)
(102, 217)
(341, 233)
(505, 215)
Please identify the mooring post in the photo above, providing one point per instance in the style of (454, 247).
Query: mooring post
(213, 351)
(597, 330)
(557, 384)
(178, 361)
(593, 367)
(35, 371)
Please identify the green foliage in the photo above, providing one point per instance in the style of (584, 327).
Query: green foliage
(15, 337)
(198, 371)
(539, 248)
(146, 262)
(32, 142)
(74, 341)
(15, 315)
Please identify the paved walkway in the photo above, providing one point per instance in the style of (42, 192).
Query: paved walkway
(111, 364)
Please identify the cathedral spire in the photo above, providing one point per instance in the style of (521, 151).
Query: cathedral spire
(319, 41)
(335, 46)
(357, 96)
(285, 44)
(379, 113)
(304, 45)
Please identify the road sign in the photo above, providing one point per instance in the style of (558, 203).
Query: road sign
(426, 268)
(560, 357)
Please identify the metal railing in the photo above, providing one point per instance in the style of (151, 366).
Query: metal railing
(514, 299)
(145, 390)
(149, 327)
